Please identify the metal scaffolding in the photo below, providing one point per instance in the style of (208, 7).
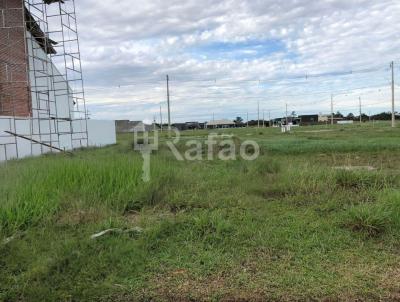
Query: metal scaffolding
(51, 73)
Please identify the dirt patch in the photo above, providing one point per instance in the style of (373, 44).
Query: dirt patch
(275, 194)
(180, 286)
(132, 217)
(390, 282)
(73, 216)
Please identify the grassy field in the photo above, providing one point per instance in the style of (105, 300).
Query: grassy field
(299, 223)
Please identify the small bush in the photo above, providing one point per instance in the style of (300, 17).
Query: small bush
(359, 180)
(391, 200)
(151, 193)
(223, 143)
(267, 166)
(211, 226)
(369, 219)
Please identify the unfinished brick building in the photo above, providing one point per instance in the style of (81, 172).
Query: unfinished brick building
(41, 84)
(14, 89)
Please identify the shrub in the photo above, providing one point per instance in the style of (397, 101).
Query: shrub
(265, 166)
(151, 193)
(359, 180)
(372, 220)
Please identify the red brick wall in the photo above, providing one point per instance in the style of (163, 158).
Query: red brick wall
(14, 89)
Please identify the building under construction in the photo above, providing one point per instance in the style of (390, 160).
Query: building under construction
(42, 101)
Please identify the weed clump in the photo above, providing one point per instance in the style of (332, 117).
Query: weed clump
(267, 166)
(371, 221)
(374, 219)
(359, 180)
(152, 193)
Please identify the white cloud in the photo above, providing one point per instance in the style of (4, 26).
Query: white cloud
(134, 44)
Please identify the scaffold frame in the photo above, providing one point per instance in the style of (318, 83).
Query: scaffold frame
(53, 77)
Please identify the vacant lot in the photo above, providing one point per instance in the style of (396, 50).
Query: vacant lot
(316, 216)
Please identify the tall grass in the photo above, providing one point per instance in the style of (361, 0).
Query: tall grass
(288, 226)
(43, 185)
(373, 219)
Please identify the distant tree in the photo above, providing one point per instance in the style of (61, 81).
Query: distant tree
(350, 116)
(338, 115)
(383, 116)
(238, 120)
(364, 117)
(293, 114)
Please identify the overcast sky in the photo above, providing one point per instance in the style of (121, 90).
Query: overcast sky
(223, 57)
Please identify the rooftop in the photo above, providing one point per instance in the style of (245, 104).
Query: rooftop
(220, 122)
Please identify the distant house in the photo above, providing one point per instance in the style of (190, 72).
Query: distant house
(323, 118)
(180, 126)
(315, 119)
(310, 119)
(294, 121)
(193, 125)
(126, 126)
(327, 118)
(220, 124)
(187, 126)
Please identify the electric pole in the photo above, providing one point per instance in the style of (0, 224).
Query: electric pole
(393, 114)
(161, 121)
(269, 117)
(169, 108)
(332, 114)
(359, 99)
(263, 118)
(287, 121)
(258, 114)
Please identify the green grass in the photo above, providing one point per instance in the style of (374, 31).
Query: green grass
(291, 225)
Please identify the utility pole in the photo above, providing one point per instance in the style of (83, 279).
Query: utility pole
(258, 114)
(263, 118)
(359, 99)
(269, 117)
(169, 108)
(161, 121)
(332, 114)
(287, 120)
(154, 123)
(393, 114)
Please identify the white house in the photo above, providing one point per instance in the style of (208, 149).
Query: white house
(220, 124)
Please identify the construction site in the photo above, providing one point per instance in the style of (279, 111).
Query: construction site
(42, 98)
(199, 151)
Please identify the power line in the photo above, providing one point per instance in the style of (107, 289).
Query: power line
(337, 73)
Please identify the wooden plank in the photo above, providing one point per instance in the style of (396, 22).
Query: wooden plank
(37, 142)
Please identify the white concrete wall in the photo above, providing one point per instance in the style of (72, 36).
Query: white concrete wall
(100, 133)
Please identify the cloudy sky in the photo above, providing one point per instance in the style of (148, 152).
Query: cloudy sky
(224, 57)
